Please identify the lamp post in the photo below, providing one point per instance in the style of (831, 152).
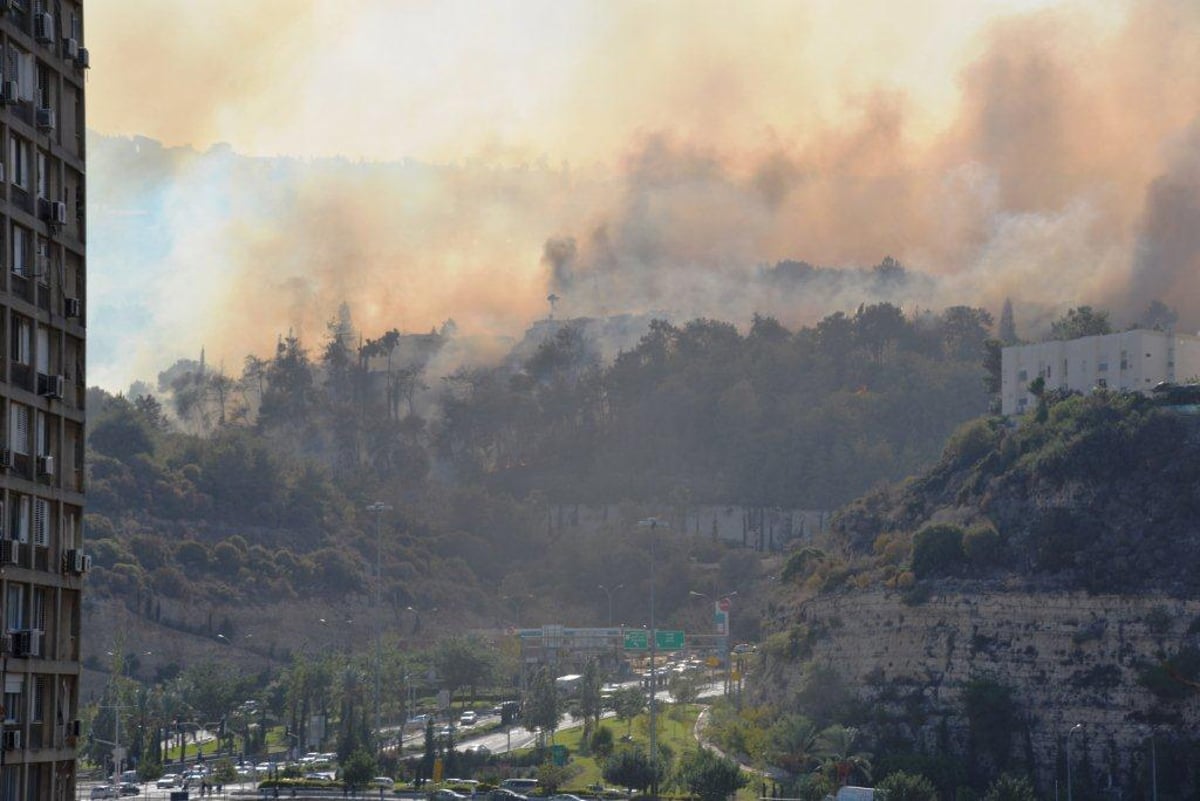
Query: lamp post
(1075, 728)
(609, 591)
(378, 508)
(653, 523)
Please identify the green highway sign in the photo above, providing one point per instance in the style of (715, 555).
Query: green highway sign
(668, 640)
(636, 640)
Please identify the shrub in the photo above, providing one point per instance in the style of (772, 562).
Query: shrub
(937, 550)
(983, 547)
(901, 786)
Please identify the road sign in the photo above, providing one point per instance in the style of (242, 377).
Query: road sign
(724, 604)
(668, 640)
(558, 755)
(636, 640)
(713, 662)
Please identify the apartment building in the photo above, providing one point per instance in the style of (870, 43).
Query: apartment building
(43, 308)
(1130, 360)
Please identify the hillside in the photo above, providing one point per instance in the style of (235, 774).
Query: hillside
(1041, 574)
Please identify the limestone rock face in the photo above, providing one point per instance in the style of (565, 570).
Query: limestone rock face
(1068, 657)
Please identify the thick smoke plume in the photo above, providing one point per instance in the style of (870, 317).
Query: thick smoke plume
(1058, 167)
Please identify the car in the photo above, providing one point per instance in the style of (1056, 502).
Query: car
(467, 718)
(105, 791)
(447, 795)
(501, 794)
(565, 797)
(167, 780)
(519, 786)
(129, 788)
(383, 781)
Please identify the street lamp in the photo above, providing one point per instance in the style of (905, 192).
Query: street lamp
(609, 592)
(653, 523)
(378, 508)
(1075, 728)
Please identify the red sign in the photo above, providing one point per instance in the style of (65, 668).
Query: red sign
(724, 604)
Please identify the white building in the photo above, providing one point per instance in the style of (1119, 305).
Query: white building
(1130, 360)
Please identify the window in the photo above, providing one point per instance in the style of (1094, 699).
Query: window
(20, 518)
(12, 687)
(18, 428)
(38, 713)
(20, 251)
(41, 445)
(1022, 375)
(22, 333)
(43, 350)
(18, 161)
(43, 179)
(41, 527)
(37, 613)
(14, 610)
(1102, 383)
(1102, 367)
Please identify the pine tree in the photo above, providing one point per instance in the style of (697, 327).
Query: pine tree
(1008, 328)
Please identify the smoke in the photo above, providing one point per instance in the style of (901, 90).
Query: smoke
(1052, 158)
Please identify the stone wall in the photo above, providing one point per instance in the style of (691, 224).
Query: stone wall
(1069, 658)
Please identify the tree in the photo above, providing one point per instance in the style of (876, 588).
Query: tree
(551, 777)
(541, 708)
(1083, 321)
(359, 769)
(590, 703)
(792, 744)
(462, 662)
(1006, 330)
(1010, 788)
(628, 703)
(685, 687)
(632, 768)
(602, 742)
(841, 760)
(1158, 317)
(901, 786)
(712, 777)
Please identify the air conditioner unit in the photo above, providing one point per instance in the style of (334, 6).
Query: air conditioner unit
(72, 307)
(10, 553)
(27, 642)
(58, 212)
(12, 740)
(6, 457)
(45, 118)
(51, 386)
(71, 48)
(45, 466)
(10, 92)
(82, 61)
(78, 562)
(43, 27)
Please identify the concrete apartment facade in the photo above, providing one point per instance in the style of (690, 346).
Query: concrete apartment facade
(42, 389)
(1130, 360)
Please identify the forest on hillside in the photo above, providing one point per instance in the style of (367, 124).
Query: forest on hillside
(259, 484)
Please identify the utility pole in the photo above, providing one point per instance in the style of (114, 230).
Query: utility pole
(653, 523)
(378, 508)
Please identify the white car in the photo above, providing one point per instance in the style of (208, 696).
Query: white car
(167, 780)
(383, 781)
(467, 719)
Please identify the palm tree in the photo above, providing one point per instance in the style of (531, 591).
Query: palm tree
(840, 760)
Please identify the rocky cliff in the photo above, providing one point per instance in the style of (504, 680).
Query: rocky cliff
(1068, 658)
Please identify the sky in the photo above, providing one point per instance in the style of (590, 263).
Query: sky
(426, 160)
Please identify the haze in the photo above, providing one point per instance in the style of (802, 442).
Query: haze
(422, 161)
